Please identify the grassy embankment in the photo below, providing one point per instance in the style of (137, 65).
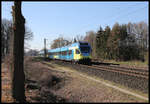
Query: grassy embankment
(133, 63)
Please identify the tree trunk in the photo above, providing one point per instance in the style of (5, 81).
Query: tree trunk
(18, 76)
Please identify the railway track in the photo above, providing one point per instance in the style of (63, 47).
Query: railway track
(131, 72)
(121, 70)
(127, 77)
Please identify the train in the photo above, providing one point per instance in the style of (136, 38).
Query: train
(79, 52)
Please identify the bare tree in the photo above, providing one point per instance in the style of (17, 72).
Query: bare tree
(140, 33)
(28, 33)
(79, 38)
(59, 42)
(7, 32)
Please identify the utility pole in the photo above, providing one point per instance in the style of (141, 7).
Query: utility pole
(45, 48)
(60, 35)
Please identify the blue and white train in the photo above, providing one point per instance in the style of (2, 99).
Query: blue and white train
(79, 52)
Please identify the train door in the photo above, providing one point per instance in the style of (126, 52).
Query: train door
(70, 55)
(76, 54)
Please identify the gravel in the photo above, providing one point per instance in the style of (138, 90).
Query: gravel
(125, 80)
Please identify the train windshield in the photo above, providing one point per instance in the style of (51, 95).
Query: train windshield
(85, 49)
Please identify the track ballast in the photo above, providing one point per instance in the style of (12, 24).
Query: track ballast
(127, 77)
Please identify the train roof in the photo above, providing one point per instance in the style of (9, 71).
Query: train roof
(67, 47)
(41, 52)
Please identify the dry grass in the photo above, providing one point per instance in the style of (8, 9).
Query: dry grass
(134, 63)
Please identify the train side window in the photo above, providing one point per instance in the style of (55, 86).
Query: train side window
(70, 52)
(77, 51)
(59, 53)
(64, 53)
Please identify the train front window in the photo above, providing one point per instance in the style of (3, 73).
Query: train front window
(77, 51)
(85, 49)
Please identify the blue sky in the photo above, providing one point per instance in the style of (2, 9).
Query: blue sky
(53, 19)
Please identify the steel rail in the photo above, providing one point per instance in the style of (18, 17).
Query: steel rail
(122, 69)
(131, 74)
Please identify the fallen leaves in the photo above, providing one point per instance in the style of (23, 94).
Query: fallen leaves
(6, 88)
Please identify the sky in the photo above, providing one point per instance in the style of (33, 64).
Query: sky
(53, 19)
